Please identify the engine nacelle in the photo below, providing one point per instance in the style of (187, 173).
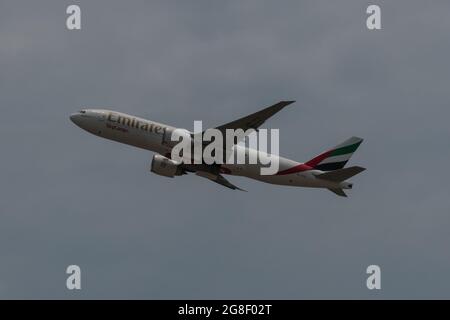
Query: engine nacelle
(165, 166)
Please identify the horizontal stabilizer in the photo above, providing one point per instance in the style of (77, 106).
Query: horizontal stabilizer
(341, 174)
(339, 192)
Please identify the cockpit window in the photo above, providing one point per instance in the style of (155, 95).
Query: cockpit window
(82, 111)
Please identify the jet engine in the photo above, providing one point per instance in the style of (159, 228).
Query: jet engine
(165, 166)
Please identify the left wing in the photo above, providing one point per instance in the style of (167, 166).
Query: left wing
(218, 178)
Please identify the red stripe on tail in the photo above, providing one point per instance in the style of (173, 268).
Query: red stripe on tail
(315, 161)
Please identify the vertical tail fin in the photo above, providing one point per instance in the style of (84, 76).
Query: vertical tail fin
(337, 157)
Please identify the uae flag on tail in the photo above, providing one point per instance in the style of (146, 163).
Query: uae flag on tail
(337, 157)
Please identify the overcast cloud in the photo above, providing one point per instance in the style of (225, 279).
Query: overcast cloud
(68, 197)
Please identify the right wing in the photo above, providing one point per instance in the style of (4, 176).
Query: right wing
(254, 120)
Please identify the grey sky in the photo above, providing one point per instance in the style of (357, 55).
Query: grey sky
(68, 197)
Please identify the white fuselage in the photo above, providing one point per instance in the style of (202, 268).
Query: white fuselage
(150, 135)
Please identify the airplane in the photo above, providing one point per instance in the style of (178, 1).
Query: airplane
(326, 170)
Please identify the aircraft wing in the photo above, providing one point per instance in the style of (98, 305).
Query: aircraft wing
(218, 178)
(254, 120)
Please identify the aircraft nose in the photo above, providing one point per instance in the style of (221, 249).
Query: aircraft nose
(74, 117)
